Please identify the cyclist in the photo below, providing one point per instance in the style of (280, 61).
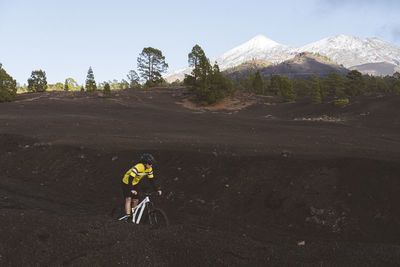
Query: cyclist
(132, 178)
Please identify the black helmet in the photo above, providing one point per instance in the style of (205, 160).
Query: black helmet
(147, 159)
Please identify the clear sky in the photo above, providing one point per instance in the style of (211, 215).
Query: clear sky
(65, 37)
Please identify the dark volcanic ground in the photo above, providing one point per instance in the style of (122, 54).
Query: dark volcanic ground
(269, 185)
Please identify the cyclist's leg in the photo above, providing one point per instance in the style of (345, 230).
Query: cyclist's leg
(135, 202)
(128, 209)
(126, 191)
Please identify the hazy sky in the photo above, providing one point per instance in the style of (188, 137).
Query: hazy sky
(64, 38)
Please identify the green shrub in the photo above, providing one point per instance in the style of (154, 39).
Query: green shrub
(8, 86)
(107, 90)
(38, 81)
(341, 102)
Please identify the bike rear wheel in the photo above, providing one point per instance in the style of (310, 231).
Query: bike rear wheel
(158, 218)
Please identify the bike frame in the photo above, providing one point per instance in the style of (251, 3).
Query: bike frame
(139, 209)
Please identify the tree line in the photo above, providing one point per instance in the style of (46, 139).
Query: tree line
(209, 85)
(150, 64)
(316, 88)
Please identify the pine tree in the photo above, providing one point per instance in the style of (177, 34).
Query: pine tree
(333, 85)
(151, 64)
(286, 90)
(8, 86)
(37, 82)
(396, 82)
(90, 82)
(133, 79)
(258, 84)
(123, 84)
(66, 85)
(202, 70)
(107, 90)
(58, 87)
(316, 90)
(220, 86)
(355, 83)
(301, 87)
(195, 59)
(207, 83)
(72, 84)
(275, 84)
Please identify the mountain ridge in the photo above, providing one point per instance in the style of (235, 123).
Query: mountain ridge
(349, 51)
(303, 65)
(352, 51)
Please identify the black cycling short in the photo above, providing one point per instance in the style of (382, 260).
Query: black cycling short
(126, 190)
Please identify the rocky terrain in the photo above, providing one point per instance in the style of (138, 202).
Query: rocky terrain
(261, 183)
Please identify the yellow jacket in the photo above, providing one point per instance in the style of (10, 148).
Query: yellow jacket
(135, 174)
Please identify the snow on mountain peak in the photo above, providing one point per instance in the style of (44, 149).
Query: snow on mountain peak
(259, 47)
(260, 41)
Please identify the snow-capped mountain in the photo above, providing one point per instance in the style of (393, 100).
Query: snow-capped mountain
(351, 51)
(348, 51)
(260, 47)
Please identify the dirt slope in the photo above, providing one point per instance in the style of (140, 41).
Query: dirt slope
(269, 185)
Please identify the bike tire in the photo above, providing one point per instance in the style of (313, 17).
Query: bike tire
(158, 218)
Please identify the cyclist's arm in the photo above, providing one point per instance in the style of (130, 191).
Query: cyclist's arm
(154, 184)
(132, 176)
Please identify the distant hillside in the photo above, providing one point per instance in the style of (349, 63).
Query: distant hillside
(246, 67)
(303, 65)
(377, 69)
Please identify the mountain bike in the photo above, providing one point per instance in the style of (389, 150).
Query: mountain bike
(144, 213)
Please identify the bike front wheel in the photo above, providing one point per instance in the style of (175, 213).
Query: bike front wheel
(158, 218)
